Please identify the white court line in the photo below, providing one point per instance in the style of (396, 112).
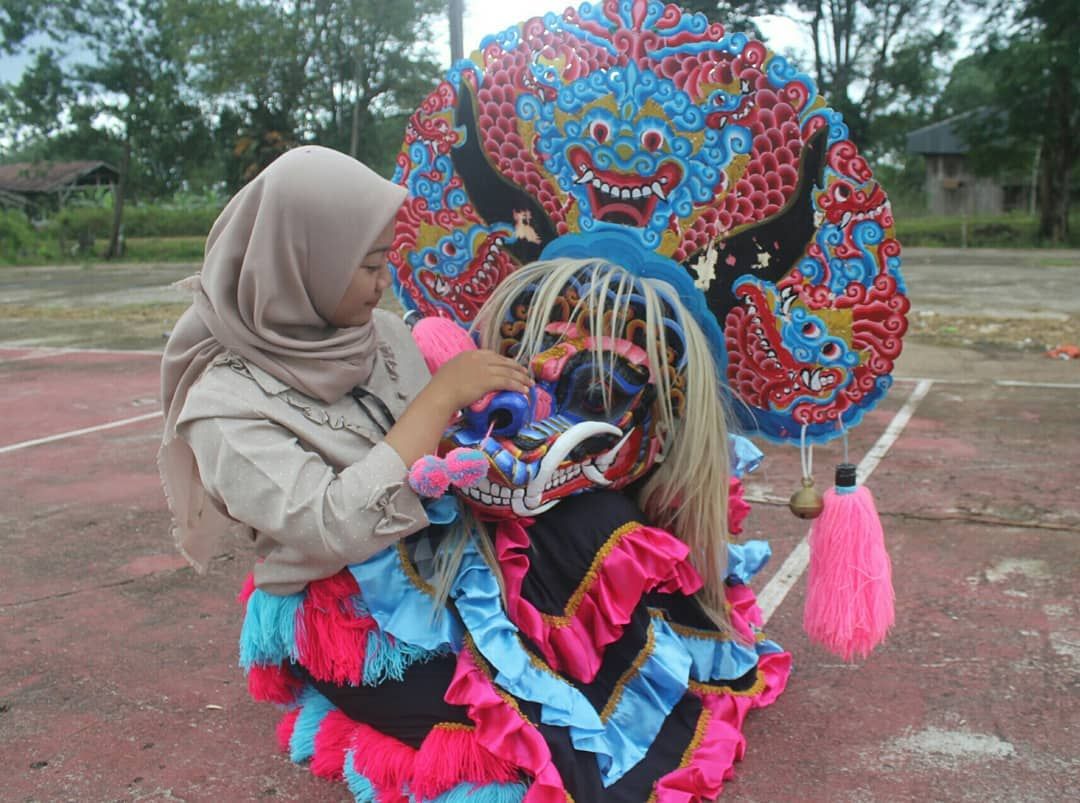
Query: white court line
(1005, 383)
(77, 432)
(1018, 383)
(789, 573)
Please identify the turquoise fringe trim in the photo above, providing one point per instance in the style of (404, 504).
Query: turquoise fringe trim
(747, 559)
(360, 787)
(385, 659)
(488, 793)
(313, 710)
(268, 635)
(400, 607)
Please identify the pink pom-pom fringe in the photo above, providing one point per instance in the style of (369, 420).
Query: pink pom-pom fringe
(466, 467)
(428, 477)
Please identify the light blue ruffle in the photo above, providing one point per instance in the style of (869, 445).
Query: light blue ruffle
(745, 457)
(647, 698)
(747, 559)
(401, 608)
(716, 659)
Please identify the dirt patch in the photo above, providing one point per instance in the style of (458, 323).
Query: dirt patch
(1017, 334)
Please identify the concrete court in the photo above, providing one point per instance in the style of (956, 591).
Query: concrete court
(118, 676)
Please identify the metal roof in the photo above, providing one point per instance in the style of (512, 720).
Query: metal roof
(26, 177)
(945, 137)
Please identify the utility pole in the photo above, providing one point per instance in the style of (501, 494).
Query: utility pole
(456, 11)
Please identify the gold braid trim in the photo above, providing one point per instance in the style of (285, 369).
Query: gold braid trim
(695, 743)
(722, 632)
(410, 570)
(485, 670)
(626, 676)
(590, 576)
(454, 726)
(707, 688)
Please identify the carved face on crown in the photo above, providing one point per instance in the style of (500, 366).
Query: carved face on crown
(591, 420)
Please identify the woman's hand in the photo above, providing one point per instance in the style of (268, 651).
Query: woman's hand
(471, 375)
(462, 380)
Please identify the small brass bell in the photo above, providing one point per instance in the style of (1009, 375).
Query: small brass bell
(806, 503)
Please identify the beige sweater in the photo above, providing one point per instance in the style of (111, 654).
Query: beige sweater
(313, 481)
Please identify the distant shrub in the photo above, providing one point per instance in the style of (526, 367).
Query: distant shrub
(17, 236)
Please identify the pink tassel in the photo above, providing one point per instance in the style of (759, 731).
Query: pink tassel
(450, 754)
(332, 740)
(273, 684)
(439, 339)
(849, 597)
(331, 638)
(285, 729)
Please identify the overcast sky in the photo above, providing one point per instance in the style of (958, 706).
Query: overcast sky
(483, 17)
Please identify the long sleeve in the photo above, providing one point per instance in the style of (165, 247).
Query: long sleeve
(317, 518)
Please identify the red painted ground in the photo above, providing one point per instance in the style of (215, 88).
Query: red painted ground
(118, 676)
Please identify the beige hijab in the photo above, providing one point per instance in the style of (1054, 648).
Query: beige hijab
(278, 261)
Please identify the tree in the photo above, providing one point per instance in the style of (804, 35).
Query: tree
(736, 15)
(123, 100)
(332, 71)
(877, 62)
(1032, 69)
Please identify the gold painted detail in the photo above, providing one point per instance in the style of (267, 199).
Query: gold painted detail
(590, 577)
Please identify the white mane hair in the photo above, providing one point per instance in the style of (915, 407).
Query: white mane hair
(687, 493)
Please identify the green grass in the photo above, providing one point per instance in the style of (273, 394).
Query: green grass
(1000, 231)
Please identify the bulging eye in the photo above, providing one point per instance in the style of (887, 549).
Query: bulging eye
(599, 131)
(842, 192)
(449, 249)
(811, 329)
(430, 259)
(652, 139)
(830, 351)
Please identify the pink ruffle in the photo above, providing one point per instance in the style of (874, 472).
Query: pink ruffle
(504, 731)
(712, 762)
(738, 507)
(745, 613)
(643, 559)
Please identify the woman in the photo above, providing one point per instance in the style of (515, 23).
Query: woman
(293, 405)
